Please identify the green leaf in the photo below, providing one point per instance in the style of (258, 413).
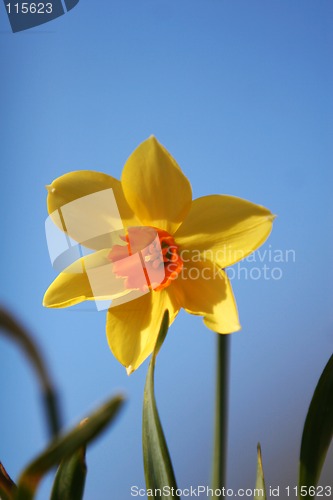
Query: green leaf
(157, 463)
(7, 486)
(317, 432)
(64, 446)
(260, 489)
(70, 478)
(17, 332)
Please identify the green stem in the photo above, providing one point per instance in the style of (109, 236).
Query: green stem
(221, 415)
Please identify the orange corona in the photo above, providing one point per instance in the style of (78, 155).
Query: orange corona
(159, 255)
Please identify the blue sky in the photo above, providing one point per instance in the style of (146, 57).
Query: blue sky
(240, 93)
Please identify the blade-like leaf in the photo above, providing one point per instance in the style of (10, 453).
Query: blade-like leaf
(260, 489)
(7, 486)
(64, 446)
(17, 332)
(317, 432)
(70, 478)
(157, 463)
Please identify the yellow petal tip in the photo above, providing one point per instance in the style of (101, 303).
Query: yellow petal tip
(129, 370)
(50, 188)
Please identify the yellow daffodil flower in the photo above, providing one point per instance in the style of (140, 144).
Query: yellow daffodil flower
(197, 240)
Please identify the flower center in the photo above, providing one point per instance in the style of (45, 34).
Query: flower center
(149, 258)
(164, 256)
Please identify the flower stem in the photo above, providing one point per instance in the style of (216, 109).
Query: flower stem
(221, 415)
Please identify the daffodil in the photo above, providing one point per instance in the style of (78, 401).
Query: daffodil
(196, 241)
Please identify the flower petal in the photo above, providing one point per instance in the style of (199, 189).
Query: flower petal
(204, 289)
(92, 277)
(224, 229)
(155, 187)
(132, 328)
(89, 205)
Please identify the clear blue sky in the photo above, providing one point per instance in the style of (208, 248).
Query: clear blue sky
(240, 92)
